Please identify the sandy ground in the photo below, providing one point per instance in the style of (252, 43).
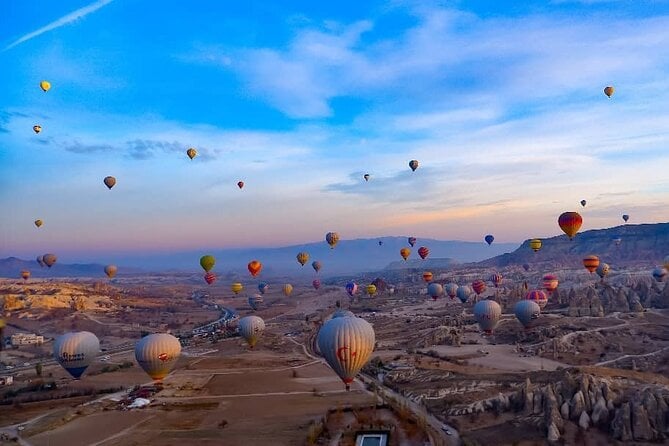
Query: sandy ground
(500, 357)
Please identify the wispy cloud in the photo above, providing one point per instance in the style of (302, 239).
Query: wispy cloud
(65, 20)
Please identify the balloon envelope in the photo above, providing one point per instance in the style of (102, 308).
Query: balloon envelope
(487, 313)
(412, 241)
(405, 253)
(570, 223)
(109, 181)
(236, 287)
(45, 86)
(263, 287)
(316, 284)
(157, 354)
(603, 270)
(110, 271)
(609, 90)
(660, 274)
(435, 290)
(583, 203)
(346, 343)
(526, 311)
(423, 252)
(550, 282)
(537, 296)
(75, 351)
(251, 329)
(49, 259)
(626, 217)
(427, 276)
(535, 244)
(371, 289)
(37, 128)
(192, 153)
(39, 223)
(489, 239)
(207, 262)
(316, 265)
(591, 262)
(479, 286)
(302, 258)
(254, 267)
(351, 288)
(413, 165)
(451, 289)
(25, 275)
(287, 289)
(209, 277)
(332, 238)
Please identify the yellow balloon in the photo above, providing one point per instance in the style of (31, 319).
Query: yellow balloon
(236, 287)
(535, 244)
(609, 91)
(45, 86)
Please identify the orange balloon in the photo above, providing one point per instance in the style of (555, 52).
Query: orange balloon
(254, 267)
(427, 276)
(570, 223)
(591, 263)
(405, 252)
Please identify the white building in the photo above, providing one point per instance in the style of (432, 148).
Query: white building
(26, 339)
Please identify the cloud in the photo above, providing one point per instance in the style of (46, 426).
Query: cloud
(65, 20)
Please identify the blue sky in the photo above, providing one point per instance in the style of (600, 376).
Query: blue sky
(501, 102)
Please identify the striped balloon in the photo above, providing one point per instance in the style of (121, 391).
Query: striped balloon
(539, 297)
(157, 354)
(487, 313)
(251, 329)
(591, 263)
(550, 282)
(346, 344)
(479, 286)
(570, 223)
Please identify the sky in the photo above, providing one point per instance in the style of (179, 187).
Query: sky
(501, 103)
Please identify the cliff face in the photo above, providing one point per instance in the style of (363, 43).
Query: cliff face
(640, 244)
(47, 296)
(625, 411)
(602, 298)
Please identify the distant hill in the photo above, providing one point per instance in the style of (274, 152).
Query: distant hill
(11, 267)
(645, 244)
(348, 257)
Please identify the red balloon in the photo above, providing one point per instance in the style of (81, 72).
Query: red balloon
(316, 283)
(254, 267)
(210, 278)
(570, 223)
(423, 252)
(479, 286)
(240, 184)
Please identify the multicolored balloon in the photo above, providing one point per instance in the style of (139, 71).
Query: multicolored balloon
(316, 284)
(240, 184)
(427, 276)
(49, 259)
(435, 290)
(192, 153)
(39, 223)
(287, 289)
(111, 270)
(45, 86)
(603, 270)
(463, 293)
(209, 277)
(332, 238)
(660, 273)
(366, 177)
(609, 90)
(423, 252)
(550, 282)
(412, 241)
(37, 129)
(479, 286)
(254, 267)
(413, 165)
(263, 287)
(570, 223)
(316, 265)
(351, 288)
(591, 262)
(302, 257)
(496, 279)
(451, 289)
(236, 287)
(537, 296)
(25, 275)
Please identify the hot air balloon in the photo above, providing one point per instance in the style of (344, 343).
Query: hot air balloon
(496, 279)
(346, 344)
(371, 290)
(110, 271)
(626, 217)
(479, 286)
(255, 301)
(366, 177)
(192, 153)
(423, 252)
(463, 293)
(49, 259)
(413, 164)
(75, 351)
(251, 329)
(236, 287)
(660, 273)
(25, 274)
(570, 223)
(263, 287)
(487, 313)
(39, 223)
(254, 267)
(209, 277)
(351, 288)
(451, 289)
(380, 284)
(489, 239)
(539, 297)
(526, 266)
(157, 354)
(603, 270)
(332, 238)
(535, 244)
(427, 276)
(316, 284)
(240, 184)
(207, 262)
(608, 91)
(45, 86)
(583, 203)
(37, 128)
(109, 182)
(405, 253)
(435, 290)
(302, 258)
(526, 311)
(287, 289)
(380, 242)
(591, 263)
(316, 265)
(550, 282)
(40, 261)
(412, 241)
